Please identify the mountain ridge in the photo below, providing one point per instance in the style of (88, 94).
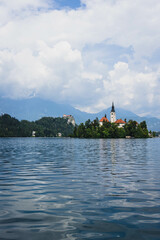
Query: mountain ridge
(35, 108)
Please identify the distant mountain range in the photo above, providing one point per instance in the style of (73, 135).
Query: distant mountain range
(36, 108)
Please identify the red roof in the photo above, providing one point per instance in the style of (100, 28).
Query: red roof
(104, 119)
(120, 121)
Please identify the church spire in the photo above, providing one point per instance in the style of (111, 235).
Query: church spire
(113, 114)
(112, 110)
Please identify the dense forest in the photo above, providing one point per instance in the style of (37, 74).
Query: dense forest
(45, 127)
(110, 130)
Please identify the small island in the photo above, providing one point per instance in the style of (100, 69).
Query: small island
(115, 128)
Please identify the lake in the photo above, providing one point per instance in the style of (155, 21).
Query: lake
(63, 188)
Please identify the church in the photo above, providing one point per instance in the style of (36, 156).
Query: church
(119, 122)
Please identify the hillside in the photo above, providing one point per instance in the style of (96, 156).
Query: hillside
(36, 108)
(45, 127)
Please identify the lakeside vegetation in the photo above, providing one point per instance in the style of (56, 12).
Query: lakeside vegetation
(111, 130)
(45, 127)
(53, 127)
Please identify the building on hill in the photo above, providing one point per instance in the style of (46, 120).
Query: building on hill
(119, 122)
(103, 119)
(59, 134)
(33, 133)
(70, 119)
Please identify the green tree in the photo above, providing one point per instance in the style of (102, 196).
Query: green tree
(130, 128)
(143, 125)
(95, 123)
(81, 131)
(106, 133)
(121, 133)
(88, 123)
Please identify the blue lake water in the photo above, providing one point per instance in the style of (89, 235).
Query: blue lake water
(53, 188)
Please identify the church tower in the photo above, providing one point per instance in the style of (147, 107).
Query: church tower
(113, 114)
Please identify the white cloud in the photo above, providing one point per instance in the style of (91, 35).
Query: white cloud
(131, 89)
(44, 51)
(46, 71)
(19, 4)
(120, 22)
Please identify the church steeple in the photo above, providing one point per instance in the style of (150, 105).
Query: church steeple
(113, 114)
(112, 110)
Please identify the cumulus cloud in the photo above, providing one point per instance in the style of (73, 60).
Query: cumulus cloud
(51, 72)
(130, 90)
(87, 57)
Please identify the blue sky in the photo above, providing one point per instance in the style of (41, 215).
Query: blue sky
(85, 53)
(68, 3)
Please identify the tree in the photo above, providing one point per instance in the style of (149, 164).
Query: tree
(106, 133)
(143, 125)
(88, 123)
(107, 124)
(130, 128)
(121, 133)
(81, 131)
(95, 123)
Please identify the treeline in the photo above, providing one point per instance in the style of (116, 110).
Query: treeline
(51, 127)
(110, 130)
(45, 127)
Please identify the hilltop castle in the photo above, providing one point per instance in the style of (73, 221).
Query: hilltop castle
(70, 119)
(119, 122)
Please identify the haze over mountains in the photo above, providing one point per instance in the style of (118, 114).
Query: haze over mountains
(36, 108)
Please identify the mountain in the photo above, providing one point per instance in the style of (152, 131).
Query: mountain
(36, 108)
(120, 113)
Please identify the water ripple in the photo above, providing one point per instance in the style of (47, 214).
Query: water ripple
(53, 188)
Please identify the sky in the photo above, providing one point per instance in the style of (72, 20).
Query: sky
(86, 53)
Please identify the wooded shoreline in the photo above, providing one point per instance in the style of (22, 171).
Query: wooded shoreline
(59, 127)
